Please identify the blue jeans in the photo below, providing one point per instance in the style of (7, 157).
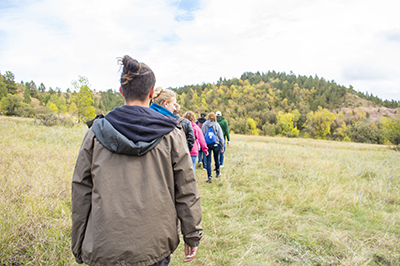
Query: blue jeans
(214, 149)
(221, 156)
(194, 162)
(202, 158)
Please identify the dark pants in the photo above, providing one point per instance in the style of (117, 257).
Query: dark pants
(212, 148)
(203, 159)
(221, 156)
(164, 262)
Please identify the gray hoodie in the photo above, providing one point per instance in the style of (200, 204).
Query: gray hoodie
(217, 129)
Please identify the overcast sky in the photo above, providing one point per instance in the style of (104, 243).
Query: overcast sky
(354, 42)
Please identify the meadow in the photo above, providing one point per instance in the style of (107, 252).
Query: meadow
(279, 201)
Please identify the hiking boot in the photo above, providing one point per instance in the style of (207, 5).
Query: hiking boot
(209, 180)
(218, 175)
(199, 164)
(221, 165)
(204, 169)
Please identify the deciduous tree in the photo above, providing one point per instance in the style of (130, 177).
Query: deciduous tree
(319, 122)
(83, 99)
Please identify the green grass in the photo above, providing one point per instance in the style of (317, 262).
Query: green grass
(279, 201)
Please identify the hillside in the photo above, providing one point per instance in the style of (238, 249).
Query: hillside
(375, 111)
(280, 104)
(272, 103)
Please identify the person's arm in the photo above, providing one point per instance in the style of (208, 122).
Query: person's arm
(220, 136)
(189, 134)
(81, 195)
(187, 196)
(202, 141)
(228, 137)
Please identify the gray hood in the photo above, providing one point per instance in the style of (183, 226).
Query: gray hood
(115, 142)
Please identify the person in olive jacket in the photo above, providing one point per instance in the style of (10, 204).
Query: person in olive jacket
(225, 129)
(133, 185)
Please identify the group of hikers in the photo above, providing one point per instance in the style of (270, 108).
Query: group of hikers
(209, 134)
(134, 188)
(205, 136)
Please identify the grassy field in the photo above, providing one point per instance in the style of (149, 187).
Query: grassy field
(279, 201)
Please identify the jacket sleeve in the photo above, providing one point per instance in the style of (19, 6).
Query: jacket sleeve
(226, 131)
(201, 140)
(187, 127)
(81, 195)
(187, 196)
(220, 135)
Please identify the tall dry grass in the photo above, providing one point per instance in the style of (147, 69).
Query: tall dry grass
(302, 202)
(279, 201)
(36, 164)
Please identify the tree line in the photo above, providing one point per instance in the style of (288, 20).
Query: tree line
(272, 104)
(51, 106)
(280, 104)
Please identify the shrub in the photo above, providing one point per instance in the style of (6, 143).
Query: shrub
(10, 104)
(25, 110)
(269, 129)
(48, 118)
(346, 139)
(365, 133)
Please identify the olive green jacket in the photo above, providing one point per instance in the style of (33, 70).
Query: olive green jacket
(126, 208)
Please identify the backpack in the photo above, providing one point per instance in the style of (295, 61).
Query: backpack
(210, 137)
(90, 123)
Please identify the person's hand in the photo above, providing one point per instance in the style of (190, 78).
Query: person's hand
(227, 143)
(206, 153)
(190, 253)
(222, 150)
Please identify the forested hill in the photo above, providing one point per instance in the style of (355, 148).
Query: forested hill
(283, 104)
(320, 92)
(270, 104)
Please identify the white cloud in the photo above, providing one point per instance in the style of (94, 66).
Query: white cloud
(353, 42)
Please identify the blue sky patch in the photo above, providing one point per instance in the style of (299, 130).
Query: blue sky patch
(393, 36)
(4, 4)
(173, 38)
(186, 9)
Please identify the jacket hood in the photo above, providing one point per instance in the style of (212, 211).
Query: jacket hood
(208, 124)
(220, 119)
(132, 130)
(202, 120)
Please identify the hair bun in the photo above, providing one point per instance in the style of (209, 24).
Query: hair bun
(131, 68)
(157, 91)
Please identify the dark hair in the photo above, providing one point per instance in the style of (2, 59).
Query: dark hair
(137, 79)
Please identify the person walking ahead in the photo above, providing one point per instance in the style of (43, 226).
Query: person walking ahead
(202, 156)
(225, 129)
(186, 126)
(133, 181)
(200, 143)
(215, 143)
